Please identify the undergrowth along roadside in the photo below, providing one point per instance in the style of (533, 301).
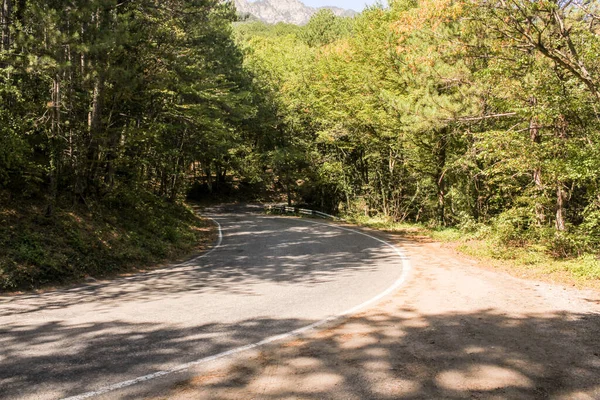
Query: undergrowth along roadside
(121, 234)
(529, 259)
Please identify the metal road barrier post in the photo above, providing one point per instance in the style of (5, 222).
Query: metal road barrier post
(299, 211)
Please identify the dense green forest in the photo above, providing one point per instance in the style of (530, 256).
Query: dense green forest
(106, 96)
(483, 116)
(479, 115)
(108, 109)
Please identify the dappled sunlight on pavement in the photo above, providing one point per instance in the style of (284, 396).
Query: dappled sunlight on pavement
(455, 331)
(269, 277)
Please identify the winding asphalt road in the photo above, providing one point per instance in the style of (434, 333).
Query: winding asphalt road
(269, 276)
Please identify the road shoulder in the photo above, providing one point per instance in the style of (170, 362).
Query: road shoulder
(456, 330)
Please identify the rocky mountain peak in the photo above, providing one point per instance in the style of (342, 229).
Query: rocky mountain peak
(289, 11)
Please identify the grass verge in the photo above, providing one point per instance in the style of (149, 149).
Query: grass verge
(99, 240)
(527, 260)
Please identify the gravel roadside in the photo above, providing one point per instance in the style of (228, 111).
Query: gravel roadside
(456, 330)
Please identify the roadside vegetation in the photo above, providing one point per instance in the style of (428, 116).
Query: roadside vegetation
(487, 244)
(477, 122)
(478, 116)
(97, 240)
(109, 112)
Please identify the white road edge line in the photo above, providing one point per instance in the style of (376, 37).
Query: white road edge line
(406, 270)
(215, 248)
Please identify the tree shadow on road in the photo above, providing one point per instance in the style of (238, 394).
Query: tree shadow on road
(93, 355)
(393, 355)
(311, 255)
(480, 355)
(484, 354)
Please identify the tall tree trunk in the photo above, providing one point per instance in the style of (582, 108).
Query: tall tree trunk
(219, 181)
(536, 138)
(95, 127)
(115, 139)
(561, 197)
(54, 143)
(441, 149)
(111, 158)
(209, 180)
(561, 129)
(179, 169)
(5, 23)
(97, 65)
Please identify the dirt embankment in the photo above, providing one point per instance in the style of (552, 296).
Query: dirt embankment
(85, 242)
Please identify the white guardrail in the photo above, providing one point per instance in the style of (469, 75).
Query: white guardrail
(300, 211)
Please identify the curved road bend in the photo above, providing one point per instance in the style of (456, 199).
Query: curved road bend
(270, 276)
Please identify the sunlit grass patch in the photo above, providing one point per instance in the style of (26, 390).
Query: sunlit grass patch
(388, 225)
(531, 259)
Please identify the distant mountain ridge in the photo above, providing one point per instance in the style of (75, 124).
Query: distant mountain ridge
(289, 11)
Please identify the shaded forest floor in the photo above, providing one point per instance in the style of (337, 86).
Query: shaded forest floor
(456, 330)
(91, 241)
